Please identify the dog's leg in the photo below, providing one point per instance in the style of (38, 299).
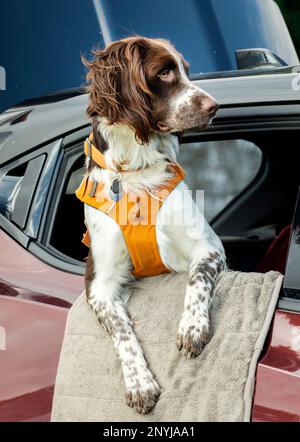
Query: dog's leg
(142, 390)
(107, 276)
(188, 243)
(194, 327)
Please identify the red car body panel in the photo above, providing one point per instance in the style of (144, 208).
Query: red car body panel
(277, 393)
(34, 301)
(32, 335)
(21, 269)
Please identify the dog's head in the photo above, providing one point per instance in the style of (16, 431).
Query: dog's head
(143, 83)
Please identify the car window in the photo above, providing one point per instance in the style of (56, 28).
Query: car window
(10, 183)
(66, 236)
(17, 187)
(223, 169)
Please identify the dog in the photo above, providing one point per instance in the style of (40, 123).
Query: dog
(140, 98)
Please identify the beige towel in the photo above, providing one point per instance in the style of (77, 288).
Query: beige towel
(216, 386)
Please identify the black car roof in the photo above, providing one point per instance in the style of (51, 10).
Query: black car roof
(36, 122)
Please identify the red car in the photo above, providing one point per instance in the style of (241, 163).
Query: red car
(249, 164)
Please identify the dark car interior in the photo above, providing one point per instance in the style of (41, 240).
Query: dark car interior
(68, 239)
(248, 224)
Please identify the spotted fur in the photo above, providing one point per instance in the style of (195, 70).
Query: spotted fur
(194, 330)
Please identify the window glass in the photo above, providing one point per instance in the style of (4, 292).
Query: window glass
(222, 169)
(17, 189)
(65, 236)
(10, 183)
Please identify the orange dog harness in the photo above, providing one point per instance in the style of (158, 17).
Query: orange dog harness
(135, 212)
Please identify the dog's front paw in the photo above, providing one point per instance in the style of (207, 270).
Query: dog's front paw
(144, 395)
(193, 334)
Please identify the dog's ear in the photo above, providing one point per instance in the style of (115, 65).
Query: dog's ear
(117, 86)
(102, 78)
(98, 140)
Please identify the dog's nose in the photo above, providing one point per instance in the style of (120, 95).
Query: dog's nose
(211, 106)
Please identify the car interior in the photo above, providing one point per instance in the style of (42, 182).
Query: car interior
(253, 215)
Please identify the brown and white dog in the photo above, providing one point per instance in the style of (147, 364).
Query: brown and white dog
(139, 97)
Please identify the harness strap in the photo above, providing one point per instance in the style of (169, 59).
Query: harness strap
(92, 152)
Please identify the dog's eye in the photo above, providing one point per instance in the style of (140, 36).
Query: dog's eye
(165, 74)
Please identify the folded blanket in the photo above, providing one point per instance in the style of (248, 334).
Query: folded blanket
(216, 386)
